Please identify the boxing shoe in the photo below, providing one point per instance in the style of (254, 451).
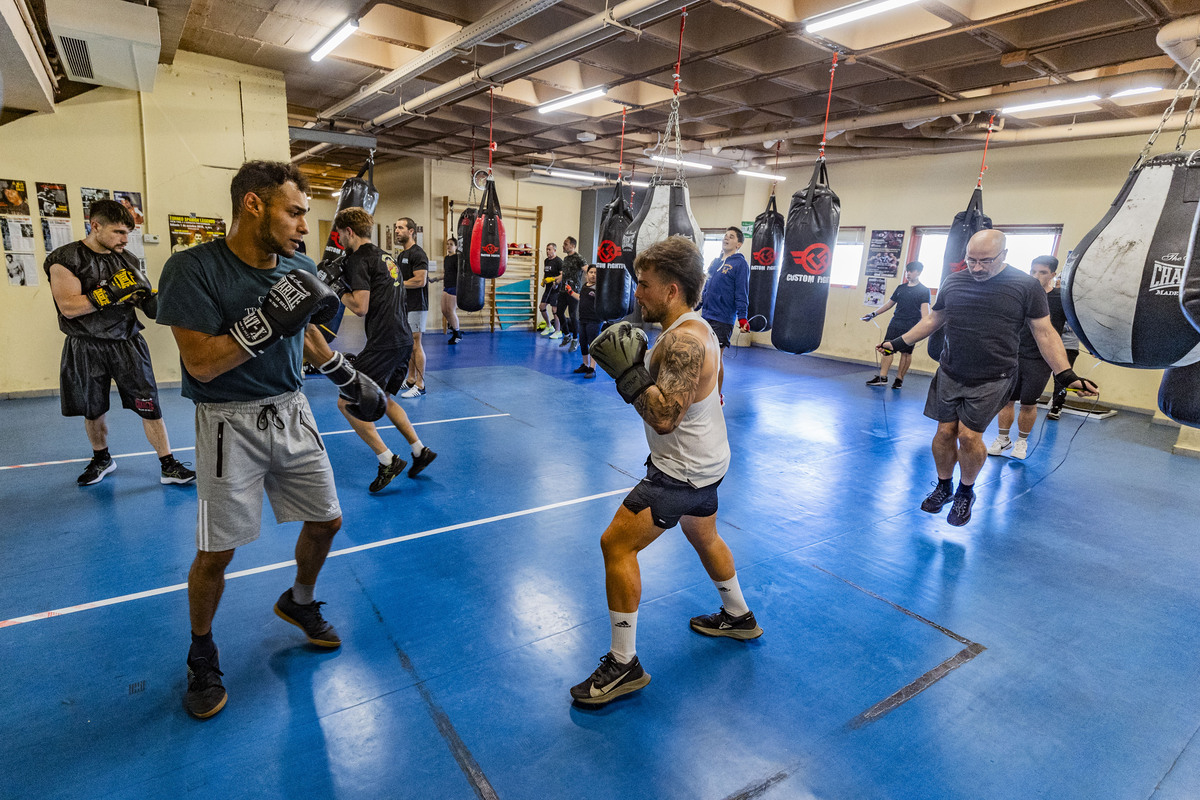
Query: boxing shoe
(421, 461)
(386, 473)
(611, 680)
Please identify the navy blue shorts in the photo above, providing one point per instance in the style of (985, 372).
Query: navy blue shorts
(669, 499)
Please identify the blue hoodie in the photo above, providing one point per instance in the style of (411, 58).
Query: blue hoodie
(726, 295)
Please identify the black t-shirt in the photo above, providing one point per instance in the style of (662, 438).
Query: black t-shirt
(908, 300)
(553, 267)
(572, 271)
(450, 278)
(984, 320)
(1058, 318)
(370, 268)
(118, 321)
(588, 311)
(410, 261)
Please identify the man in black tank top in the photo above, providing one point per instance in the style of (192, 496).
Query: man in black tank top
(96, 287)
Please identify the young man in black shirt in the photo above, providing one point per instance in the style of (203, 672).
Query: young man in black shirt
(1032, 369)
(983, 308)
(569, 283)
(371, 286)
(414, 264)
(911, 300)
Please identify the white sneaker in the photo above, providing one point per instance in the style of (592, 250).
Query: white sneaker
(1020, 448)
(546, 331)
(556, 335)
(999, 445)
(414, 391)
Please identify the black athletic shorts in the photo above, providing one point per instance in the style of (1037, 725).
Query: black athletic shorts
(723, 330)
(1032, 374)
(550, 296)
(893, 334)
(89, 367)
(669, 499)
(587, 332)
(387, 367)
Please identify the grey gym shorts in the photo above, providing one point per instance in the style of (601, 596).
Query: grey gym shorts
(975, 405)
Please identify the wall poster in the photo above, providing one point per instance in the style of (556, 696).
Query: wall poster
(883, 253)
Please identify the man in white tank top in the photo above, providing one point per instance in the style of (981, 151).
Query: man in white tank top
(674, 389)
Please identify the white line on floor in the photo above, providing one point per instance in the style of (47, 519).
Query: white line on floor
(178, 587)
(182, 449)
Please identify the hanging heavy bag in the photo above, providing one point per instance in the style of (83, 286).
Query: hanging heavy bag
(470, 293)
(1121, 286)
(614, 282)
(666, 211)
(809, 238)
(766, 253)
(489, 243)
(966, 224)
(1179, 394)
(357, 192)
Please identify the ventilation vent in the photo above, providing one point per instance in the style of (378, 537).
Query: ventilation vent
(75, 51)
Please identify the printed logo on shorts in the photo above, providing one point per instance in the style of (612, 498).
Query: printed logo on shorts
(143, 404)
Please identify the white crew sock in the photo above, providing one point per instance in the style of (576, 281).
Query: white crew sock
(731, 596)
(624, 635)
(417, 447)
(385, 457)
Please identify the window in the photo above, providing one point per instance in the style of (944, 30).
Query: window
(712, 245)
(848, 257)
(1025, 243)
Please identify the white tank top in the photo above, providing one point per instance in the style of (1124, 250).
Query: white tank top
(697, 451)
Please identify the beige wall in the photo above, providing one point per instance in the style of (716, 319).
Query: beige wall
(178, 146)
(1068, 184)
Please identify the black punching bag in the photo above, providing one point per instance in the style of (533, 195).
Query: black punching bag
(1179, 394)
(614, 277)
(489, 242)
(766, 253)
(470, 292)
(357, 192)
(809, 238)
(966, 224)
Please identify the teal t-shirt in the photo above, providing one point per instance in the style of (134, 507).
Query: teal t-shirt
(207, 289)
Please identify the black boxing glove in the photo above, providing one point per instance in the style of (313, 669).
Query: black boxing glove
(1065, 378)
(364, 399)
(332, 274)
(149, 305)
(293, 300)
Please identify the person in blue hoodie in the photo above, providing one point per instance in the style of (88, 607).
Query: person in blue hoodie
(726, 295)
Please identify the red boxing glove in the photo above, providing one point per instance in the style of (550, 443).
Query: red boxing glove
(744, 324)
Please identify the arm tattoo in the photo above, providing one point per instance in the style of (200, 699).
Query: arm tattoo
(664, 404)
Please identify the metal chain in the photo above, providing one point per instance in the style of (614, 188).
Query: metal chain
(1170, 111)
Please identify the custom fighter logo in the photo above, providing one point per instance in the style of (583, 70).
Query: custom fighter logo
(765, 255)
(814, 259)
(490, 249)
(608, 252)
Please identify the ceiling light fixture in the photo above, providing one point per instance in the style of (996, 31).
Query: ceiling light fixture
(750, 174)
(572, 99)
(852, 14)
(640, 184)
(334, 39)
(571, 174)
(1091, 98)
(1132, 92)
(680, 162)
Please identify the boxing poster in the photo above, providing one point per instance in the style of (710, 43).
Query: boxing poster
(56, 233)
(18, 234)
(876, 292)
(90, 196)
(133, 204)
(883, 253)
(22, 270)
(14, 198)
(52, 200)
(190, 231)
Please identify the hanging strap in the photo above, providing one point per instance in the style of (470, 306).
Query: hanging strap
(491, 134)
(983, 164)
(771, 208)
(621, 165)
(679, 57)
(828, 103)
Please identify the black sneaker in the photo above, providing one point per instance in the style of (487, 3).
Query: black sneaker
(591, 373)
(205, 694)
(725, 624)
(386, 473)
(96, 470)
(1054, 414)
(175, 472)
(960, 511)
(308, 619)
(897, 383)
(878, 380)
(936, 499)
(610, 680)
(582, 369)
(421, 461)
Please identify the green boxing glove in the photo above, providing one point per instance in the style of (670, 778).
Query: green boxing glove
(620, 350)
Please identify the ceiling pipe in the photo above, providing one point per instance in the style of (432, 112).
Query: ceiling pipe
(1105, 86)
(1181, 40)
(588, 33)
(857, 140)
(473, 34)
(1080, 130)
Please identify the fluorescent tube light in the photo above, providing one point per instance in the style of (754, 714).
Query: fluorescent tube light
(1132, 92)
(572, 99)
(334, 39)
(1091, 98)
(570, 174)
(681, 163)
(640, 184)
(853, 13)
(338, 193)
(750, 174)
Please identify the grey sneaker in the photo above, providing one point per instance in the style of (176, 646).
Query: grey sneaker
(610, 680)
(725, 624)
(308, 619)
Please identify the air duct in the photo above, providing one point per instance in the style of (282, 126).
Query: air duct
(106, 42)
(1181, 41)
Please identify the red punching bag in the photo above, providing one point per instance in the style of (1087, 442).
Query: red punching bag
(489, 242)
(470, 292)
